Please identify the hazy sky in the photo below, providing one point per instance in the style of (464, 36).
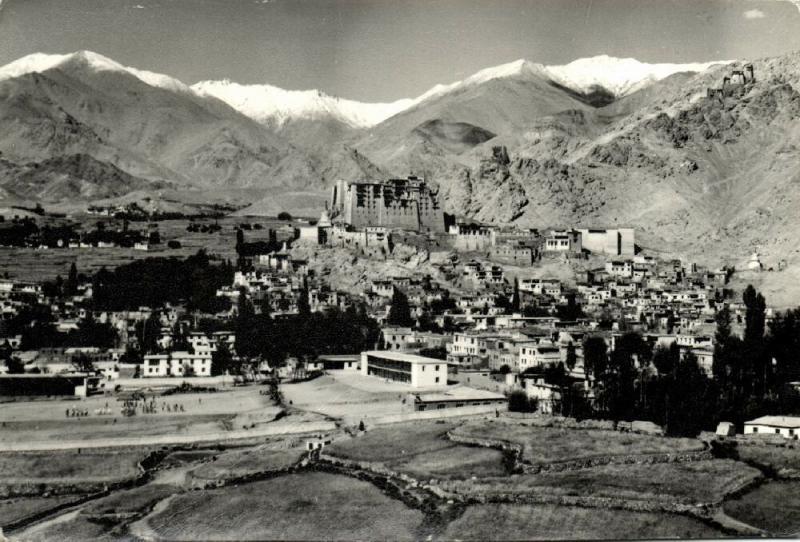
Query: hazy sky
(388, 49)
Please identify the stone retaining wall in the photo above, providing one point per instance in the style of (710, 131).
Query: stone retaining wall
(702, 510)
(637, 459)
(458, 491)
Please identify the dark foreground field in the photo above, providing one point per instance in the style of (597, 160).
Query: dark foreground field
(273, 490)
(309, 506)
(774, 507)
(421, 450)
(551, 522)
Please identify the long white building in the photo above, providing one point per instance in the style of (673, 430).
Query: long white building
(416, 371)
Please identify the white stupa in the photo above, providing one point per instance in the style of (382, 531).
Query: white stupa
(324, 219)
(755, 263)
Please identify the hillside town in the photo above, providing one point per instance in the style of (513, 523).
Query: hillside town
(491, 307)
(414, 271)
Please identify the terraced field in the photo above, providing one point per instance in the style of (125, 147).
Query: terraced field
(95, 466)
(544, 445)
(421, 450)
(687, 482)
(308, 506)
(550, 522)
(238, 463)
(774, 507)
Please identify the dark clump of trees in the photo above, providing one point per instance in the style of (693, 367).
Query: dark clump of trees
(518, 401)
(305, 335)
(37, 327)
(751, 374)
(283, 215)
(400, 310)
(152, 282)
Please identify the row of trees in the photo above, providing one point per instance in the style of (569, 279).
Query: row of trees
(750, 374)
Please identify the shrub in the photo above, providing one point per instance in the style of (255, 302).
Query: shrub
(518, 401)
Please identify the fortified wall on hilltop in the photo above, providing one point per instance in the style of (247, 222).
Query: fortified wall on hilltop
(407, 204)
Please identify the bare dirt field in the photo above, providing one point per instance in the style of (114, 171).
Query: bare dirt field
(308, 506)
(43, 422)
(542, 445)
(335, 396)
(550, 522)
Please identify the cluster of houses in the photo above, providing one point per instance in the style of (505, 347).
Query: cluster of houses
(480, 311)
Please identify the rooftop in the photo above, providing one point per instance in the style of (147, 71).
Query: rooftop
(402, 356)
(460, 393)
(776, 421)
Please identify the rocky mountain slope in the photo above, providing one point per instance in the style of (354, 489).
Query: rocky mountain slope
(705, 177)
(147, 125)
(598, 141)
(68, 176)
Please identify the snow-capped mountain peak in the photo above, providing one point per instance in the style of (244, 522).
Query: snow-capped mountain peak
(273, 105)
(41, 62)
(620, 76)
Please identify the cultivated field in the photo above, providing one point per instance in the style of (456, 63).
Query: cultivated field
(772, 457)
(774, 507)
(182, 458)
(543, 445)
(422, 450)
(238, 463)
(550, 522)
(12, 510)
(103, 519)
(688, 482)
(62, 468)
(35, 264)
(309, 506)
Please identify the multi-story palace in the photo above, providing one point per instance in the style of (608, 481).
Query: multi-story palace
(407, 204)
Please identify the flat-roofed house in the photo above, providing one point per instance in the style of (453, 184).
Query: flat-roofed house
(417, 371)
(177, 364)
(538, 356)
(458, 397)
(784, 426)
(563, 241)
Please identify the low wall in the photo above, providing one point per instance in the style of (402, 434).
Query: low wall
(465, 492)
(543, 420)
(459, 492)
(637, 459)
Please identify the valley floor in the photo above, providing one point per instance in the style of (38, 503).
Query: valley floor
(408, 481)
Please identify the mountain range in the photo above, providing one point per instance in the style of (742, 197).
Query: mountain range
(599, 141)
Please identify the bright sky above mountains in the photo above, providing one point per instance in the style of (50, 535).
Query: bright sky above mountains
(382, 50)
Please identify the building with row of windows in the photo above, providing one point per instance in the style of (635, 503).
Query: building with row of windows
(416, 371)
